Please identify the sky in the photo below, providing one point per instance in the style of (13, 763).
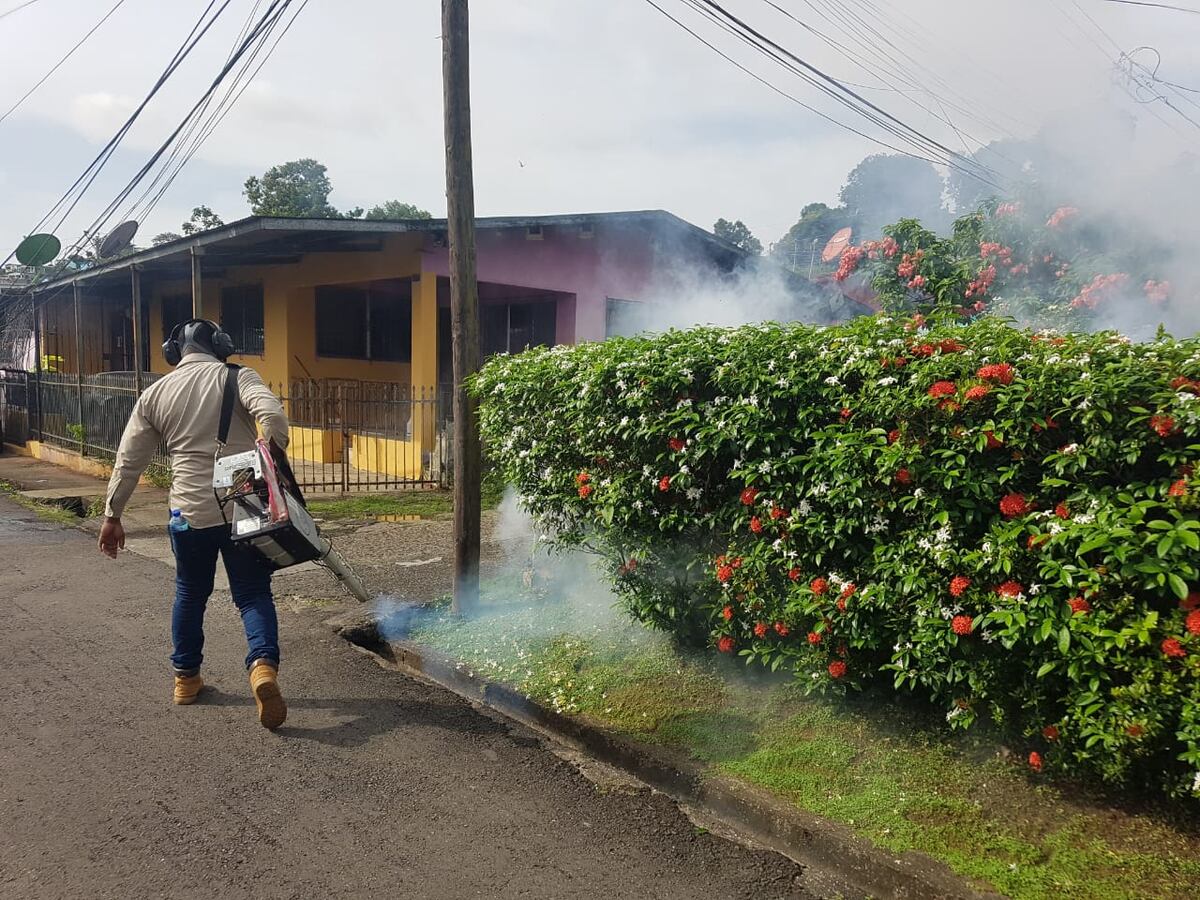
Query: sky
(577, 106)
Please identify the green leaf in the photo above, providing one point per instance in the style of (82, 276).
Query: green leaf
(1064, 639)
(1046, 668)
(1178, 586)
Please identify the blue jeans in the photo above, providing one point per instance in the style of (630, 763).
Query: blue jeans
(196, 552)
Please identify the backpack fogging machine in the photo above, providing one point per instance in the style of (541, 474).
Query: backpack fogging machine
(265, 508)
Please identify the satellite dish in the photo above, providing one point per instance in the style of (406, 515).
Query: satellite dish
(38, 249)
(839, 242)
(118, 239)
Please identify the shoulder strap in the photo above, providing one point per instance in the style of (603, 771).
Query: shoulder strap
(228, 399)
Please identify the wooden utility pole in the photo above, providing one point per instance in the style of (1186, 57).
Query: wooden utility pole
(79, 370)
(197, 286)
(135, 291)
(464, 300)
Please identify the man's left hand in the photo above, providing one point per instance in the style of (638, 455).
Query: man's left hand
(112, 537)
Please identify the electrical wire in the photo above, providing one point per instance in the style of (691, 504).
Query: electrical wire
(59, 64)
(85, 180)
(842, 94)
(780, 90)
(15, 9)
(227, 104)
(1170, 6)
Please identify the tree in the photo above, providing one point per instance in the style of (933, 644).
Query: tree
(394, 209)
(739, 235)
(297, 189)
(202, 219)
(165, 237)
(883, 189)
(817, 224)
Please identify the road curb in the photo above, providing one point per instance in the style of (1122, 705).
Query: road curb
(838, 863)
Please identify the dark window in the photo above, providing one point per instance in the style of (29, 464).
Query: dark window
(365, 323)
(624, 318)
(176, 309)
(242, 317)
(513, 327)
(342, 322)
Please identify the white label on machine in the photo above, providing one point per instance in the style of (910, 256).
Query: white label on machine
(247, 525)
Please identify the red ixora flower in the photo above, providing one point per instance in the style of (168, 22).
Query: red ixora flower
(846, 413)
(756, 524)
(1192, 623)
(1050, 733)
(1178, 488)
(781, 629)
(1135, 730)
(962, 625)
(941, 389)
(1010, 589)
(761, 630)
(1062, 511)
(664, 483)
(585, 491)
(725, 643)
(819, 586)
(727, 613)
(676, 444)
(1013, 505)
(724, 573)
(778, 512)
(958, 584)
(1171, 647)
(1035, 761)
(1001, 372)
(893, 436)
(848, 591)
(978, 392)
(993, 442)
(837, 669)
(1079, 606)
(1164, 426)
(794, 573)
(814, 637)
(903, 476)
(1036, 540)
(748, 496)
(583, 478)
(1191, 601)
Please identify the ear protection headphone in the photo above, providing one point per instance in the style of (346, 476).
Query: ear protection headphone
(217, 342)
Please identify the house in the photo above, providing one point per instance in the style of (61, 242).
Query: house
(350, 320)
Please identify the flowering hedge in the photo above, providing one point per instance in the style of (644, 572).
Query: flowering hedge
(1045, 266)
(1000, 521)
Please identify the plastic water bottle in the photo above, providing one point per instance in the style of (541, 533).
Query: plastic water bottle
(178, 522)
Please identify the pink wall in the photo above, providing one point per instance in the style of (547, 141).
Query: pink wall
(616, 261)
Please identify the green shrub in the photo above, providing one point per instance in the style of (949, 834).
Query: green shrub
(1002, 522)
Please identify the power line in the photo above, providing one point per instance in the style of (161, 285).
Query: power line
(842, 94)
(15, 9)
(85, 180)
(58, 64)
(1170, 6)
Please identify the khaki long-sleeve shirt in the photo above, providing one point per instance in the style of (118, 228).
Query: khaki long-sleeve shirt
(183, 410)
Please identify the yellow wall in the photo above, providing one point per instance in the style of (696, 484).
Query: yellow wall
(289, 312)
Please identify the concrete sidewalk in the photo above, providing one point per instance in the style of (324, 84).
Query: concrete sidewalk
(378, 785)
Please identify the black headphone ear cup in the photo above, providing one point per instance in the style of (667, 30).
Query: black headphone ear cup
(170, 350)
(222, 344)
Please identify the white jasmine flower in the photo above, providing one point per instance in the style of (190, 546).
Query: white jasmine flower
(887, 382)
(805, 508)
(1070, 449)
(832, 381)
(919, 493)
(764, 468)
(694, 493)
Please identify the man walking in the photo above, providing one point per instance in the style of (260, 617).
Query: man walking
(182, 410)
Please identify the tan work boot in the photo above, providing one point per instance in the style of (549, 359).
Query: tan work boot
(187, 689)
(265, 685)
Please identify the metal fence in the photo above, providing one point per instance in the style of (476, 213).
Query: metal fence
(14, 406)
(347, 436)
(355, 436)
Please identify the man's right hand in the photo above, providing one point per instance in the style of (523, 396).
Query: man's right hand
(112, 537)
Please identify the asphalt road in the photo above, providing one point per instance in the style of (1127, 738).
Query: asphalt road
(377, 785)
